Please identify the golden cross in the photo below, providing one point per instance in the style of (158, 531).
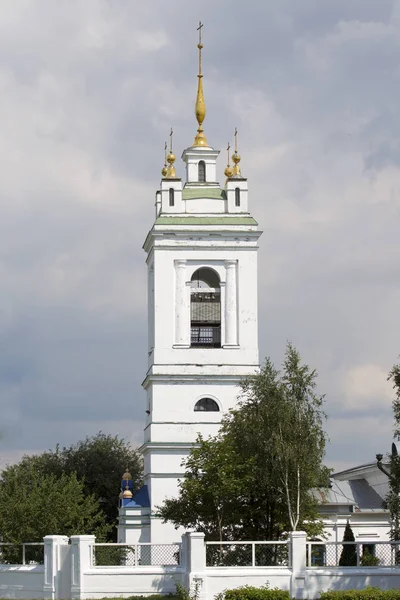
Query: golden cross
(165, 153)
(228, 148)
(200, 45)
(170, 140)
(235, 136)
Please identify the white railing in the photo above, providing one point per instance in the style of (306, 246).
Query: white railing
(247, 554)
(28, 553)
(353, 554)
(135, 555)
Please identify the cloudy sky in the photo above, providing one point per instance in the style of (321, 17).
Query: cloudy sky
(88, 92)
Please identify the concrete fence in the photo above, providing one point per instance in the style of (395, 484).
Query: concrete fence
(81, 568)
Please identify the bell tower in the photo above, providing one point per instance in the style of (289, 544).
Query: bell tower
(202, 317)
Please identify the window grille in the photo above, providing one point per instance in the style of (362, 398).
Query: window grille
(171, 197)
(237, 196)
(202, 171)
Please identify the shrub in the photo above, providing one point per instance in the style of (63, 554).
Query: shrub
(368, 559)
(248, 592)
(368, 593)
(348, 558)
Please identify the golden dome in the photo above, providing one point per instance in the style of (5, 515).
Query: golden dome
(164, 171)
(171, 158)
(228, 171)
(127, 475)
(236, 158)
(127, 493)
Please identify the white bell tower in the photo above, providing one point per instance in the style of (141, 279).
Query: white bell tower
(202, 319)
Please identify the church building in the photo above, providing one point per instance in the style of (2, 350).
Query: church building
(202, 319)
(203, 339)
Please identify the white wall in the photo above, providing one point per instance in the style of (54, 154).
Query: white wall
(21, 581)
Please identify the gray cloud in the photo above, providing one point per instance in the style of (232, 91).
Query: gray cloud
(88, 93)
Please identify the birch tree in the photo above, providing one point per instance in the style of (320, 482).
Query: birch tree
(280, 422)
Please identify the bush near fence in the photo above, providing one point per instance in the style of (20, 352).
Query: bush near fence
(248, 592)
(368, 593)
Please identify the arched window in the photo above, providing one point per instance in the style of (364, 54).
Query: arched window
(202, 171)
(237, 196)
(205, 309)
(206, 404)
(171, 197)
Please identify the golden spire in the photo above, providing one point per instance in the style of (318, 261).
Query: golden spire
(236, 158)
(171, 158)
(200, 106)
(164, 170)
(228, 171)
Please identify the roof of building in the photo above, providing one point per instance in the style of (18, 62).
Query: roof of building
(354, 492)
(203, 192)
(140, 498)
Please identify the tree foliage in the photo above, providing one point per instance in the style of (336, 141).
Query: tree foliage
(33, 505)
(97, 463)
(393, 497)
(348, 557)
(255, 479)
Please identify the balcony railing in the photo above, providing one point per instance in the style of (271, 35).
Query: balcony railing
(206, 337)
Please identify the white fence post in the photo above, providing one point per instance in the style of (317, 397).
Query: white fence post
(195, 562)
(52, 565)
(81, 561)
(298, 551)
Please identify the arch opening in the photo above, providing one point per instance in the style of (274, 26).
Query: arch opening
(205, 309)
(171, 197)
(202, 171)
(206, 405)
(237, 196)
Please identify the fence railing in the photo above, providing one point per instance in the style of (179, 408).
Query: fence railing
(28, 553)
(353, 554)
(137, 555)
(247, 554)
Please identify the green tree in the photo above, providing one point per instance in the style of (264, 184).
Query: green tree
(98, 462)
(271, 450)
(210, 492)
(33, 505)
(393, 496)
(348, 557)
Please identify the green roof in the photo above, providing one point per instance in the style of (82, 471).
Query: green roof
(193, 193)
(234, 220)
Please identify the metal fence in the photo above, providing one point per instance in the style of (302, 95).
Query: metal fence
(247, 554)
(29, 553)
(136, 555)
(353, 554)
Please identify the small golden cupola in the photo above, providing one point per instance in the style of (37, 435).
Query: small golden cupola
(164, 170)
(171, 158)
(236, 158)
(229, 170)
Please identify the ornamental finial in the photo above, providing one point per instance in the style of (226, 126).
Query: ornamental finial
(171, 158)
(228, 171)
(236, 157)
(164, 170)
(200, 106)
